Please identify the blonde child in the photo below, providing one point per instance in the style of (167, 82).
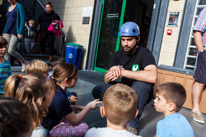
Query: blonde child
(34, 90)
(65, 76)
(5, 67)
(15, 118)
(119, 106)
(169, 100)
(37, 66)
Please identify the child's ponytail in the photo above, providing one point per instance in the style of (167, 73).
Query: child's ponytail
(11, 85)
(28, 89)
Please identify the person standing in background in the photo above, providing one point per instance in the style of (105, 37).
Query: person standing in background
(13, 31)
(200, 72)
(44, 20)
(30, 36)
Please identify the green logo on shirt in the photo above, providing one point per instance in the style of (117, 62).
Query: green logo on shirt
(135, 67)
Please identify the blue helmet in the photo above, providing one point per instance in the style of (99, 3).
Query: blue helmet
(129, 29)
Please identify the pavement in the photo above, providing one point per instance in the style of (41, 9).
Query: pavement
(87, 80)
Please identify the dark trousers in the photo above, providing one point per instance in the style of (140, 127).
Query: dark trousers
(49, 38)
(144, 93)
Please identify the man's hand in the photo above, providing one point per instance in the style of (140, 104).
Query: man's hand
(111, 77)
(113, 74)
(115, 70)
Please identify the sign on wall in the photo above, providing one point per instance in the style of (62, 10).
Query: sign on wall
(173, 18)
(87, 11)
(86, 14)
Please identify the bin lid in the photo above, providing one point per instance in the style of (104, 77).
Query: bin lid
(74, 44)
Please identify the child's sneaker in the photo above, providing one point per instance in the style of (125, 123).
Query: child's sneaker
(197, 116)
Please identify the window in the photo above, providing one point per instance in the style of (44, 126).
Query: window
(191, 54)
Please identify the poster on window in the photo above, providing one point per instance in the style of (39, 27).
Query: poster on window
(173, 18)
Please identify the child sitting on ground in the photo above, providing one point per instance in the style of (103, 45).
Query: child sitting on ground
(37, 66)
(34, 90)
(55, 60)
(15, 118)
(30, 36)
(169, 100)
(119, 106)
(61, 119)
(5, 67)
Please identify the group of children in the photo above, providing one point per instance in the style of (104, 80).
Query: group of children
(40, 100)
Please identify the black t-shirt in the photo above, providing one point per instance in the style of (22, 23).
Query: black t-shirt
(59, 108)
(141, 58)
(45, 19)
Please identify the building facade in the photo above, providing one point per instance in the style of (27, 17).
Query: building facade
(165, 27)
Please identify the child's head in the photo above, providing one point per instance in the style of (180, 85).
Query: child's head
(56, 60)
(34, 90)
(3, 44)
(119, 104)
(65, 73)
(15, 118)
(37, 66)
(31, 23)
(170, 96)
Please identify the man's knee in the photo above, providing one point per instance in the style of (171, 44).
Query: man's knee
(99, 90)
(144, 93)
(142, 87)
(95, 92)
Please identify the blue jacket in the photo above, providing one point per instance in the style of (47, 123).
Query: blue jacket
(20, 19)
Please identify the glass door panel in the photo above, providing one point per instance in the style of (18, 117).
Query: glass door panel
(108, 33)
(140, 12)
(114, 13)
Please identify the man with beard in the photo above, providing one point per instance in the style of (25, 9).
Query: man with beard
(136, 67)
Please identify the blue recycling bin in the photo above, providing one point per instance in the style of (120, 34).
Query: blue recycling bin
(74, 54)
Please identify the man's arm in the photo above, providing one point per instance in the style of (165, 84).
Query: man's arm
(198, 40)
(149, 74)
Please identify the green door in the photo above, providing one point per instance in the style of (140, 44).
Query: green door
(108, 43)
(114, 13)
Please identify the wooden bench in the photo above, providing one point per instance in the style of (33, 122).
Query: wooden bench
(184, 79)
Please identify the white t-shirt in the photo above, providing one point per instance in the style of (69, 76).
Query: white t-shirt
(108, 132)
(39, 132)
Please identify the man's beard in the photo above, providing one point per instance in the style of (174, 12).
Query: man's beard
(133, 50)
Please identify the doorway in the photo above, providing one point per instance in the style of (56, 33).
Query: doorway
(114, 14)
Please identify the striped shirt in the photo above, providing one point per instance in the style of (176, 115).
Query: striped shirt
(5, 72)
(200, 25)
